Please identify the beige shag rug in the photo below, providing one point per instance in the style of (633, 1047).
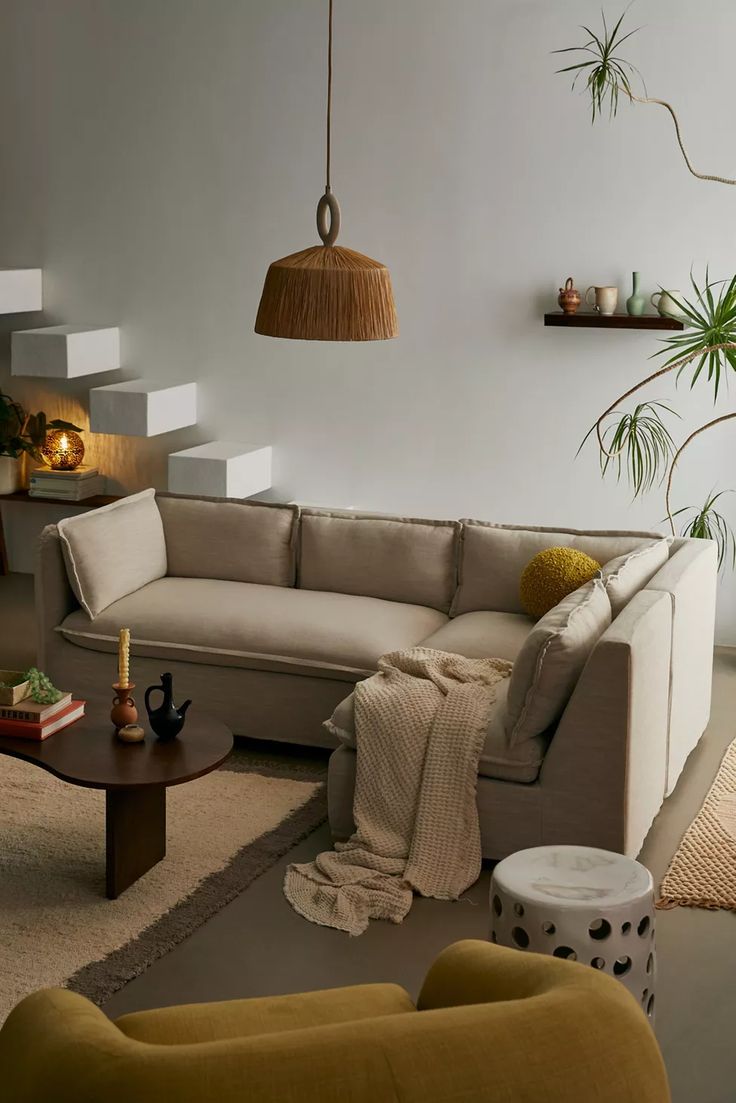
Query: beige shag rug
(57, 928)
(702, 873)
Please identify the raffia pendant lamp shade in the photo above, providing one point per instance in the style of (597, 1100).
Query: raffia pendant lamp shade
(328, 293)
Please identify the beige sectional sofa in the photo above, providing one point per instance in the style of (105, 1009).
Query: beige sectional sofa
(267, 615)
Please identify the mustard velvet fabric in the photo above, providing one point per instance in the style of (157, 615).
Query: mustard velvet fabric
(491, 1024)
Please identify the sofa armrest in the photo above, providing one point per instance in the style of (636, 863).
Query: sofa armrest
(606, 765)
(55, 598)
(689, 577)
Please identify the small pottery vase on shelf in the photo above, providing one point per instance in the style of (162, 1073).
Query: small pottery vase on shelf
(569, 297)
(665, 302)
(123, 710)
(636, 303)
(167, 720)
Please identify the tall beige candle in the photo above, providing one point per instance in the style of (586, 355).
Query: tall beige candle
(124, 657)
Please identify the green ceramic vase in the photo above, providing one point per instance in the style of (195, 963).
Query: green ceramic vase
(636, 303)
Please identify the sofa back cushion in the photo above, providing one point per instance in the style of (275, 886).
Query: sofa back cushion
(395, 558)
(229, 539)
(493, 557)
(113, 551)
(551, 660)
(627, 574)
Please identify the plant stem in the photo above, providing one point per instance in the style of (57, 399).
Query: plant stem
(678, 453)
(675, 120)
(683, 362)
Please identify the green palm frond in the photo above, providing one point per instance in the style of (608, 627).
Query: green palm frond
(707, 523)
(640, 443)
(710, 320)
(606, 74)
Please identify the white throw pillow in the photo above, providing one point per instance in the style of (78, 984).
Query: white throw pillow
(627, 574)
(113, 551)
(552, 658)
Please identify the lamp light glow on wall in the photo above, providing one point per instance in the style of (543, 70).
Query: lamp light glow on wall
(63, 450)
(327, 292)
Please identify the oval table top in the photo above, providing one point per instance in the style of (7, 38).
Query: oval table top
(88, 753)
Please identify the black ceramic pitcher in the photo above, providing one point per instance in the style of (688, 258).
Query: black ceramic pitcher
(167, 720)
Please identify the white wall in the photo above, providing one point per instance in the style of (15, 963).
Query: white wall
(157, 154)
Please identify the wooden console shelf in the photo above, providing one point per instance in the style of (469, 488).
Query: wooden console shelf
(23, 496)
(591, 320)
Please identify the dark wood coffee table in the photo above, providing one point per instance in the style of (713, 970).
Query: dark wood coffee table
(135, 777)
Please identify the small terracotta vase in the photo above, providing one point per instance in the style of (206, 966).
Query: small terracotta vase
(123, 710)
(569, 297)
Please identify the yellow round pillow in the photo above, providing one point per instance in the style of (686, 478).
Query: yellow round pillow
(553, 574)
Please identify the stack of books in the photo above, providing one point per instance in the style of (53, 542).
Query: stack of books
(29, 720)
(66, 486)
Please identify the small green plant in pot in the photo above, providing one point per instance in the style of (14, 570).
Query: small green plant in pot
(22, 433)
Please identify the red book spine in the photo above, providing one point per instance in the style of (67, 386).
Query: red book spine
(24, 729)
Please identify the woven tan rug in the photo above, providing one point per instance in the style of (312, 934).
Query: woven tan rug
(702, 873)
(56, 925)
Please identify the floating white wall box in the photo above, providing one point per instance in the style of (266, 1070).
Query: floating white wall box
(141, 408)
(221, 469)
(64, 352)
(20, 290)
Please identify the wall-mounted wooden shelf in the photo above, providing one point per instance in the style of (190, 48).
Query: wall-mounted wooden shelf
(587, 318)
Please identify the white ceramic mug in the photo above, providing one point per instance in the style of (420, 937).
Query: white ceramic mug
(667, 306)
(606, 299)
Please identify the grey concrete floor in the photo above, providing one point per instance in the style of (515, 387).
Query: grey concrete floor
(258, 946)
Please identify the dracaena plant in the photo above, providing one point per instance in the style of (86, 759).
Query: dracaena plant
(23, 433)
(608, 78)
(639, 442)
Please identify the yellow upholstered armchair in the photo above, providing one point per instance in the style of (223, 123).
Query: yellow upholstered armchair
(491, 1024)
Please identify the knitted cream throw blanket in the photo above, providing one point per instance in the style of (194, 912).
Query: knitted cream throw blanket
(420, 725)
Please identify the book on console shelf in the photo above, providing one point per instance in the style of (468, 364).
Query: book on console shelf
(33, 711)
(23, 729)
(76, 475)
(67, 486)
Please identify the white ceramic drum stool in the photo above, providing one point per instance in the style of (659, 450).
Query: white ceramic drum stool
(587, 905)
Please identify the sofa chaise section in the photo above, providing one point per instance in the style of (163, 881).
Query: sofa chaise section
(602, 780)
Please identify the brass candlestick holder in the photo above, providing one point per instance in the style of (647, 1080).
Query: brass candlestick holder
(123, 710)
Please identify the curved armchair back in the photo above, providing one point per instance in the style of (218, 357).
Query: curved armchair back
(490, 1023)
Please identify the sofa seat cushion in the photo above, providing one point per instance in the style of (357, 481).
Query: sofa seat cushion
(259, 627)
(498, 760)
(483, 635)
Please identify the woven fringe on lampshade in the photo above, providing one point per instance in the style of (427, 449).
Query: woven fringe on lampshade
(327, 293)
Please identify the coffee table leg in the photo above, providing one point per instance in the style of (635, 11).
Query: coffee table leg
(135, 833)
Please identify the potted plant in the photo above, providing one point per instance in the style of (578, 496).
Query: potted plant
(21, 434)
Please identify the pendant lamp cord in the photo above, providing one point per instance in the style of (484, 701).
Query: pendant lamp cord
(328, 205)
(329, 99)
